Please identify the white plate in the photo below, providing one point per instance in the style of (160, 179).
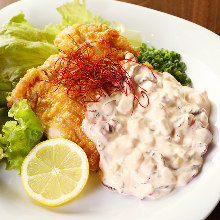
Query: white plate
(200, 49)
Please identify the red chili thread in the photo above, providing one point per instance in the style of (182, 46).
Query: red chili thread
(82, 73)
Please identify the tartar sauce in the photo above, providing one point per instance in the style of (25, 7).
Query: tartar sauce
(148, 151)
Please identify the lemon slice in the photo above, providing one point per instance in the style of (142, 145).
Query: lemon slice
(55, 172)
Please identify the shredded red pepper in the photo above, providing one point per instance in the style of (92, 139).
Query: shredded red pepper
(84, 73)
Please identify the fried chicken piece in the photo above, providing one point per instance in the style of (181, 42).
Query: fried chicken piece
(61, 115)
(106, 41)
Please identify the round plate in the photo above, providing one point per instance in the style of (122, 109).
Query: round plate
(200, 50)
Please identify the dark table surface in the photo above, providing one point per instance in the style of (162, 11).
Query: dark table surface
(203, 12)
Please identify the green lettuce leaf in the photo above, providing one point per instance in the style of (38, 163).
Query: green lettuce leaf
(19, 136)
(1, 153)
(22, 47)
(5, 88)
(3, 116)
(74, 13)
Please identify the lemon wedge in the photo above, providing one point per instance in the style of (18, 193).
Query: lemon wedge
(55, 171)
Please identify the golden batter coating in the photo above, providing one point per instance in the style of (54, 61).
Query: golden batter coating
(60, 114)
(106, 41)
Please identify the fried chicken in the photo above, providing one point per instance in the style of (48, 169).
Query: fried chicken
(105, 40)
(60, 114)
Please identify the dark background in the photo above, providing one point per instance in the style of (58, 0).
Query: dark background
(203, 12)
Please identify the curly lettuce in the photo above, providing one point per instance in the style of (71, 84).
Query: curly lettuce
(74, 13)
(19, 135)
(22, 47)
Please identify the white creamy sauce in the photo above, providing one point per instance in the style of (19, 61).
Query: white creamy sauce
(148, 151)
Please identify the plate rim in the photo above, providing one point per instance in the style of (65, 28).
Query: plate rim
(15, 4)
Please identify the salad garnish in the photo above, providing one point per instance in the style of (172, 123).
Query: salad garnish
(19, 135)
